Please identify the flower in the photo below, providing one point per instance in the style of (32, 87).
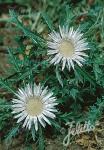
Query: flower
(34, 105)
(68, 47)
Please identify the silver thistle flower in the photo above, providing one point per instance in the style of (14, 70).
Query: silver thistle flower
(34, 105)
(67, 47)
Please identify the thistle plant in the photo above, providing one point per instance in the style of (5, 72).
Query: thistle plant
(56, 77)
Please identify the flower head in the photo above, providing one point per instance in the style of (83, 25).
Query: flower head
(34, 105)
(67, 47)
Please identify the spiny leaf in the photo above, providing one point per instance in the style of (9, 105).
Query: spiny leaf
(55, 124)
(13, 59)
(59, 76)
(4, 104)
(47, 20)
(12, 133)
(73, 93)
(5, 85)
(41, 145)
(33, 133)
(85, 75)
(27, 32)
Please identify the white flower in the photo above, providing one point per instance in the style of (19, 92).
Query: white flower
(34, 105)
(68, 47)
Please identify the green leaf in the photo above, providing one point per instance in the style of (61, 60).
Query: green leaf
(47, 20)
(73, 93)
(4, 104)
(29, 147)
(55, 124)
(27, 32)
(33, 133)
(5, 85)
(59, 76)
(41, 145)
(96, 110)
(66, 116)
(13, 60)
(12, 133)
(86, 76)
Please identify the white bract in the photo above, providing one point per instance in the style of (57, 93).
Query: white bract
(34, 105)
(68, 46)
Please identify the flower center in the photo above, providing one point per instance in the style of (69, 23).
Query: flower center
(66, 48)
(34, 106)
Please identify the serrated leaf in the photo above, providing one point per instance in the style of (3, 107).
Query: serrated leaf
(4, 104)
(55, 124)
(59, 76)
(5, 85)
(27, 32)
(33, 133)
(73, 93)
(47, 20)
(12, 133)
(13, 60)
(86, 76)
(41, 145)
